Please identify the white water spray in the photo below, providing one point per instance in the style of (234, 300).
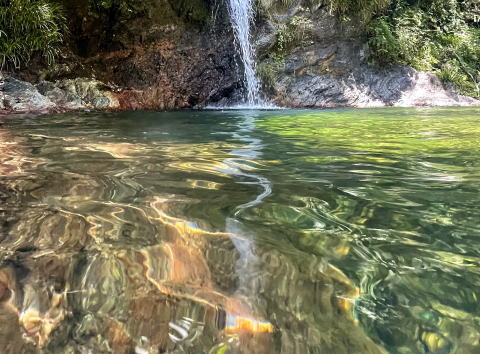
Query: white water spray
(241, 14)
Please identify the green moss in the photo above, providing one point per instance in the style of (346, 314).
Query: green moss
(269, 70)
(192, 10)
(296, 32)
(363, 8)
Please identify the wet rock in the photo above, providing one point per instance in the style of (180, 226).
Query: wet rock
(20, 96)
(324, 85)
(59, 96)
(80, 93)
(328, 66)
(167, 58)
(182, 70)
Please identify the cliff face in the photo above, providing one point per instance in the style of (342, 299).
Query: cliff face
(311, 58)
(174, 57)
(172, 54)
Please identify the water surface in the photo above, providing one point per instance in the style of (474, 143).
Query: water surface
(339, 231)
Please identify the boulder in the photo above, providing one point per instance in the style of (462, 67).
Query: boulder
(80, 93)
(323, 84)
(20, 96)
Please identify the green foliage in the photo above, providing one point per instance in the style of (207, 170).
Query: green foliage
(192, 10)
(268, 71)
(348, 7)
(383, 43)
(471, 11)
(460, 61)
(118, 8)
(363, 8)
(296, 32)
(29, 26)
(431, 35)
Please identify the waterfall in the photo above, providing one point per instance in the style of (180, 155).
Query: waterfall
(241, 14)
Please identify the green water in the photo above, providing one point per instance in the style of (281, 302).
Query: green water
(338, 231)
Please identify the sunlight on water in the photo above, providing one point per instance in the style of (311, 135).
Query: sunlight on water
(342, 231)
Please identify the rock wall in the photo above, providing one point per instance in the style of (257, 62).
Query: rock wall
(178, 55)
(311, 58)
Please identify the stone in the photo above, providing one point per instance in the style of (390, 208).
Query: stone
(61, 97)
(92, 92)
(80, 93)
(334, 71)
(20, 96)
(364, 87)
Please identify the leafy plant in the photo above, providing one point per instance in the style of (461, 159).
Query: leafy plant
(431, 35)
(366, 9)
(383, 43)
(29, 26)
(295, 32)
(269, 70)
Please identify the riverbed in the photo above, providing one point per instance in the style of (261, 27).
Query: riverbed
(243, 231)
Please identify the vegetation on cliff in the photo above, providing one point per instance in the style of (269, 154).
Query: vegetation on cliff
(31, 27)
(441, 36)
(27, 27)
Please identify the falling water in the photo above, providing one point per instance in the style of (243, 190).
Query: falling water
(241, 14)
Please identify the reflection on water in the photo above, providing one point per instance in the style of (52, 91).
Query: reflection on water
(242, 232)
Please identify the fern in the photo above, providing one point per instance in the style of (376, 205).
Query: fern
(29, 26)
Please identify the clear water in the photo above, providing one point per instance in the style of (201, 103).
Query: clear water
(241, 15)
(339, 231)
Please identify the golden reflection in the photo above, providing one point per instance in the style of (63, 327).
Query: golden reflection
(237, 323)
(143, 277)
(187, 267)
(204, 184)
(116, 150)
(183, 227)
(38, 326)
(37, 311)
(13, 158)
